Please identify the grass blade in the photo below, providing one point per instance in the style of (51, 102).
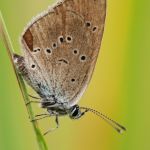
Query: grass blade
(5, 38)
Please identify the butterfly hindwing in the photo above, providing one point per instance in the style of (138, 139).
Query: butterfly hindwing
(63, 44)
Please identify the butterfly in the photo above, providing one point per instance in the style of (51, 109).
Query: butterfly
(60, 49)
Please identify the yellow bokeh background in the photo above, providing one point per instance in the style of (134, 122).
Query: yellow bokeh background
(119, 86)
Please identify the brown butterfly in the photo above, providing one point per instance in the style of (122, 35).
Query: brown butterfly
(60, 49)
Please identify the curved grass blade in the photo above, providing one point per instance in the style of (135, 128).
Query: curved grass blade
(5, 38)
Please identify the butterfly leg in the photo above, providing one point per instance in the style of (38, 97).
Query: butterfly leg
(41, 115)
(52, 129)
(44, 103)
(38, 117)
(33, 97)
(39, 102)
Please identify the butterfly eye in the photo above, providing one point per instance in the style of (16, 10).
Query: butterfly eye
(68, 39)
(54, 45)
(88, 24)
(94, 29)
(61, 39)
(83, 58)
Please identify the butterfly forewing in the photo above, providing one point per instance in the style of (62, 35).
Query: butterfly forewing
(63, 44)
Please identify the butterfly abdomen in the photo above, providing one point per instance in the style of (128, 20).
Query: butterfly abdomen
(22, 69)
(20, 64)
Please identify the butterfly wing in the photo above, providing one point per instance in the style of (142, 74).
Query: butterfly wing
(61, 47)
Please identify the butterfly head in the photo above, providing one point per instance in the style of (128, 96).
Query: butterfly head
(75, 112)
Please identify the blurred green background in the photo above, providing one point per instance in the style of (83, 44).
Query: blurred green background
(119, 87)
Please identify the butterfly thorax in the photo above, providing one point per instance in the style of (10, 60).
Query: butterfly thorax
(54, 107)
(61, 109)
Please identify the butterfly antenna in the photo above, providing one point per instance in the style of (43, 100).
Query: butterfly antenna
(119, 128)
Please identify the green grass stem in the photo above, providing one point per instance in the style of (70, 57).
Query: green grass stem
(5, 38)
